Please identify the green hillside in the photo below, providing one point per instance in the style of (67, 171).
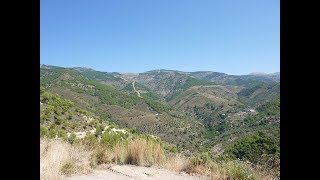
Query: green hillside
(127, 110)
(195, 112)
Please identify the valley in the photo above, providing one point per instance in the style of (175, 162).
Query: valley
(194, 113)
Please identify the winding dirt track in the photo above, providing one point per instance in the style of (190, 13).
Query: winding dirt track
(134, 88)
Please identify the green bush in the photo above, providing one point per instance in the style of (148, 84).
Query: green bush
(43, 131)
(42, 119)
(134, 130)
(99, 129)
(52, 133)
(62, 134)
(58, 120)
(52, 126)
(170, 149)
(239, 170)
(73, 125)
(90, 140)
(110, 139)
(70, 115)
(57, 111)
(201, 158)
(252, 147)
(72, 138)
(42, 90)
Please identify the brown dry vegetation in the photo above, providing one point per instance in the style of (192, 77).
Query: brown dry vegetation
(59, 158)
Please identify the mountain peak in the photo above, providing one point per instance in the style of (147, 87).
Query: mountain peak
(258, 73)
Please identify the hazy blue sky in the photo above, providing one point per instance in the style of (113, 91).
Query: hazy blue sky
(230, 36)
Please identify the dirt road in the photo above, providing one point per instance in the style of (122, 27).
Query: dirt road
(134, 88)
(130, 172)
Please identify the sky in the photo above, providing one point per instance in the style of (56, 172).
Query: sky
(229, 36)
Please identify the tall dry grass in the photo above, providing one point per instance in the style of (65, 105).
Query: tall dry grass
(231, 170)
(213, 170)
(177, 162)
(139, 152)
(58, 158)
(144, 153)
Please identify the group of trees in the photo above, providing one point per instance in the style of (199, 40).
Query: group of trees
(252, 147)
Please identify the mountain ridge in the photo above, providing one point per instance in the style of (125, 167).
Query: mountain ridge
(163, 70)
(168, 101)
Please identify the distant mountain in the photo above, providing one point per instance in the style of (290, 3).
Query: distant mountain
(242, 80)
(168, 82)
(83, 69)
(264, 74)
(193, 110)
(258, 73)
(259, 94)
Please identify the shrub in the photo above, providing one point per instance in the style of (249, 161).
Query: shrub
(52, 126)
(102, 155)
(201, 159)
(52, 133)
(110, 139)
(73, 125)
(42, 119)
(62, 134)
(99, 130)
(239, 170)
(57, 111)
(58, 120)
(72, 138)
(90, 140)
(42, 90)
(253, 146)
(43, 131)
(70, 116)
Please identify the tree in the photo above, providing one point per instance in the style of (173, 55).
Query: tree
(253, 146)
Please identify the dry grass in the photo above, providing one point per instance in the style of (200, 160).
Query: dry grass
(102, 155)
(177, 163)
(231, 169)
(58, 158)
(144, 153)
(139, 152)
(120, 153)
(218, 171)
